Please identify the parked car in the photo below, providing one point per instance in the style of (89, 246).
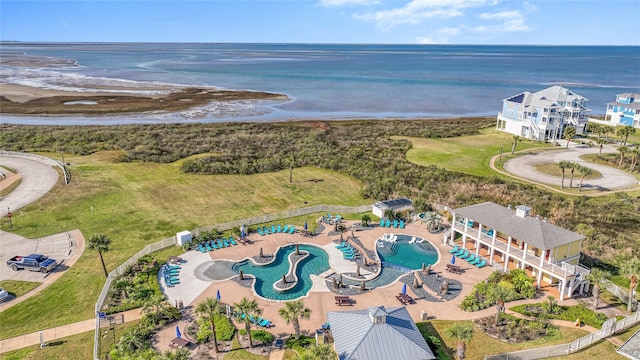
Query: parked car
(4, 295)
(33, 262)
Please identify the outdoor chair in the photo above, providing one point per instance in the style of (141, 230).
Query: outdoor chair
(286, 229)
(266, 230)
(395, 223)
(476, 261)
(481, 264)
(470, 258)
(208, 246)
(401, 224)
(382, 222)
(388, 223)
(260, 232)
(454, 250)
(292, 229)
(464, 253)
(233, 242)
(343, 245)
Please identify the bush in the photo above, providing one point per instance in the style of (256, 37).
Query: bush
(514, 285)
(300, 344)
(568, 313)
(224, 329)
(262, 335)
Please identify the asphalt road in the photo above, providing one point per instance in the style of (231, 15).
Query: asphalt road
(37, 179)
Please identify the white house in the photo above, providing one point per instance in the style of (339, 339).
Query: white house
(543, 115)
(507, 237)
(396, 205)
(625, 111)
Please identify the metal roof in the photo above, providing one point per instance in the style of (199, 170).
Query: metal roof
(631, 347)
(393, 204)
(529, 229)
(358, 337)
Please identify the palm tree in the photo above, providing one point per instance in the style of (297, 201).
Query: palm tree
(133, 340)
(365, 220)
(631, 268)
(635, 154)
(323, 352)
(433, 221)
(157, 306)
(599, 279)
(208, 309)
(594, 128)
(245, 311)
(124, 287)
(461, 333)
(100, 243)
(516, 138)
(584, 171)
(389, 214)
(601, 142)
(563, 165)
(573, 167)
(623, 150)
(179, 354)
(292, 312)
(569, 133)
(625, 132)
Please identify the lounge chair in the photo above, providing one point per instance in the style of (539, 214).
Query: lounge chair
(401, 224)
(460, 251)
(226, 243)
(342, 245)
(233, 242)
(202, 248)
(347, 248)
(388, 224)
(264, 323)
(266, 230)
(464, 254)
(382, 222)
(481, 264)
(470, 258)
(476, 260)
(395, 223)
(261, 232)
(279, 228)
(349, 257)
(454, 250)
(292, 229)
(286, 229)
(208, 246)
(273, 229)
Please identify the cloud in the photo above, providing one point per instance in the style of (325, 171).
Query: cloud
(417, 11)
(511, 21)
(500, 15)
(337, 3)
(440, 37)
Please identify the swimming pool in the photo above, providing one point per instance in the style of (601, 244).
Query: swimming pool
(266, 275)
(408, 254)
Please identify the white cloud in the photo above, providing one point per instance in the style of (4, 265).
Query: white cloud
(529, 7)
(511, 21)
(337, 3)
(501, 15)
(417, 11)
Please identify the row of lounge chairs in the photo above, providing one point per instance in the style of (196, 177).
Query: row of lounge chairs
(396, 223)
(472, 259)
(331, 220)
(287, 229)
(258, 321)
(171, 274)
(348, 251)
(216, 244)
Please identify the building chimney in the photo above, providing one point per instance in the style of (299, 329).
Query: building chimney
(523, 211)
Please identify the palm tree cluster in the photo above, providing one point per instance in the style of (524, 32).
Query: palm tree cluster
(574, 167)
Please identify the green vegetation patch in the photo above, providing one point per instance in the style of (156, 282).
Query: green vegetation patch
(17, 287)
(553, 170)
(513, 285)
(568, 313)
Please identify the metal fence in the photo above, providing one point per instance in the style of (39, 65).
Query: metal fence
(114, 274)
(609, 328)
(43, 159)
(621, 294)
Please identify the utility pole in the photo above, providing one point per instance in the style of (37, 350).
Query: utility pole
(500, 154)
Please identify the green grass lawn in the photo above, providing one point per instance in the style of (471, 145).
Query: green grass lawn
(553, 170)
(18, 288)
(138, 203)
(466, 154)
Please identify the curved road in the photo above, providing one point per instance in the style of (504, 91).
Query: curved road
(37, 179)
(612, 178)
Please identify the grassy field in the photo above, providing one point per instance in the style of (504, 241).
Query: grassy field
(138, 203)
(553, 170)
(18, 288)
(466, 154)
(482, 344)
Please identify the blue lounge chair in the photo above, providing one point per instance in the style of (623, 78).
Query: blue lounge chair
(226, 243)
(233, 242)
(382, 222)
(273, 229)
(349, 257)
(279, 228)
(260, 232)
(341, 246)
(286, 229)
(464, 254)
(454, 250)
(401, 224)
(388, 223)
(395, 223)
(202, 248)
(470, 223)
(470, 258)
(476, 261)
(266, 230)
(208, 246)
(292, 229)
(264, 323)
(481, 264)
(460, 251)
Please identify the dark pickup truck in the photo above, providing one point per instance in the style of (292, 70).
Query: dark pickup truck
(33, 262)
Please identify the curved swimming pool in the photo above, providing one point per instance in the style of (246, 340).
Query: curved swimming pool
(407, 251)
(268, 274)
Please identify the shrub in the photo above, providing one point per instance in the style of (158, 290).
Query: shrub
(224, 329)
(300, 344)
(514, 285)
(262, 335)
(568, 313)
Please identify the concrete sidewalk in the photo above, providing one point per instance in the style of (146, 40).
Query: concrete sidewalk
(59, 332)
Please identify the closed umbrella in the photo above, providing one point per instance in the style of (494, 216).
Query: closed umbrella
(306, 226)
(218, 295)
(453, 259)
(178, 334)
(404, 288)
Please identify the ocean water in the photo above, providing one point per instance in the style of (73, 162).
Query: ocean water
(331, 81)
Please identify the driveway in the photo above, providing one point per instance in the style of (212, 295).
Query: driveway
(37, 179)
(612, 178)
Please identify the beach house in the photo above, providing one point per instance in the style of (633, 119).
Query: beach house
(377, 333)
(516, 239)
(543, 115)
(625, 111)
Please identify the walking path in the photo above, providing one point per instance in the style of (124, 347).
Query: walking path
(612, 180)
(37, 180)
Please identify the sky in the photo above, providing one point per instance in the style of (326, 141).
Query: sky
(534, 22)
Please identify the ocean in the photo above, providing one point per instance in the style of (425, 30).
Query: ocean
(330, 81)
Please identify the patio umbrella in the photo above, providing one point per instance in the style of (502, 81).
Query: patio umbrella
(178, 334)
(404, 288)
(218, 295)
(242, 231)
(306, 226)
(453, 259)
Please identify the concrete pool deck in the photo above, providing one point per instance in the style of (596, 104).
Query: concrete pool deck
(320, 299)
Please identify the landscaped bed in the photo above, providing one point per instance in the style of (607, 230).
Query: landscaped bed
(568, 313)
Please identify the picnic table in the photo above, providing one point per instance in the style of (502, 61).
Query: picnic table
(179, 342)
(175, 259)
(343, 300)
(404, 299)
(454, 269)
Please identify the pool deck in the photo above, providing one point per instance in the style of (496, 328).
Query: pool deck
(320, 299)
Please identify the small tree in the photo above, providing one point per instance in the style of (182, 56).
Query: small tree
(245, 311)
(461, 333)
(100, 243)
(157, 306)
(631, 268)
(635, 154)
(550, 305)
(601, 142)
(366, 218)
(208, 309)
(625, 132)
(292, 312)
(323, 352)
(563, 165)
(622, 150)
(599, 279)
(569, 133)
(572, 167)
(516, 138)
(389, 214)
(584, 171)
